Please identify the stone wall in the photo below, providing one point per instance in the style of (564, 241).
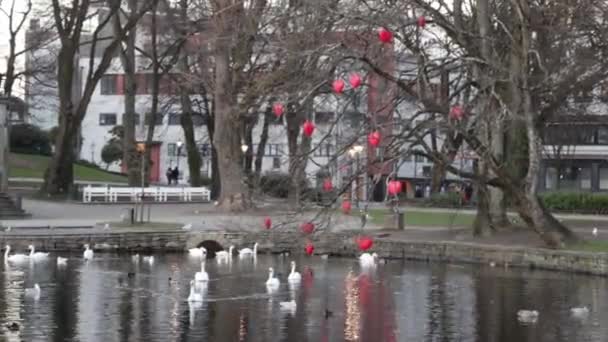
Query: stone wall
(334, 243)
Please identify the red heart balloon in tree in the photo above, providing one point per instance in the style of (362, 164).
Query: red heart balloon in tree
(338, 86)
(394, 187)
(346, 207)
(307, 228)
(355, 80)
(278, 109)
(365, 243)
(385, 35)
(308, 128)
(327, 185)
(456, 112)
(309, 249)
(374, 138)
(421, 21)
(268, 223)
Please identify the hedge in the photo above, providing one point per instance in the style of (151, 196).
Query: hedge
(586, 202)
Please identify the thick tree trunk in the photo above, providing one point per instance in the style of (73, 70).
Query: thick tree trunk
(215, 171)
(259, 157)
(130, 156)
(297, 161)
(227, 121)
(194, 156)
(497, 204)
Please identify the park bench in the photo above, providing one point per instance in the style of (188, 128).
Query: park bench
(154, 193)
(93, 192)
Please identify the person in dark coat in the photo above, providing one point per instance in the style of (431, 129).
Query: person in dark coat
(169, 175)
(175, 175)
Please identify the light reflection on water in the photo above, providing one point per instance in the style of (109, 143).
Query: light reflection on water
(114, 299)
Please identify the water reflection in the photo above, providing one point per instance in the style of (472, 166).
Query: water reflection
(114, 299)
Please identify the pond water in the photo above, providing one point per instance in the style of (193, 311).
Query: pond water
(114, 299)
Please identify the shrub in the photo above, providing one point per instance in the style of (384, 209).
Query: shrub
(574, 201)
(448, 199)
(111, 152)
(276, 184)
(26, 138)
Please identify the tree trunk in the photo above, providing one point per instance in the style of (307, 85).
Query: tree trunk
(259, 157)
(194, 156)
(215, 171)
(59, 175)
(296, 159)
(127, 57)
(227, 121)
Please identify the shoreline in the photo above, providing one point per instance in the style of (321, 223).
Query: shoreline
(334, 243)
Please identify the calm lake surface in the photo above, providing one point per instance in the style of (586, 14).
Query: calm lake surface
(114, 299)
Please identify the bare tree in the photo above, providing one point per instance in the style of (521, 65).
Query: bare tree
(69, 21)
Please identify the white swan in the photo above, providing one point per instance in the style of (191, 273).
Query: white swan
(88, 252)
(367, 259)
(291, 305)
(202, 276)
(272, 282)
(579, 312)
(197, 252)
(34, 256)
(527, 316)
(16, 258)
(135, 258)
(223, 255)
(245, 252)
(33, 292)
(194, 296)
(594, 231)
(62, 261)
(148, 259)
(294, 277)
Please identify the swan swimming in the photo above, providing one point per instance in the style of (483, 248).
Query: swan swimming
(17, 258)
(88, 252)
(198, 252)
(223, 255)
(62, 261)
(579, 312)
(272, 282)
(36, 255)
(149, 259)
(527, 316)
(245, 252)
(367, 259)
(33, 292)
(294, 277)
(194, 296)
(202, 276)
(135, 258)
(291, 305)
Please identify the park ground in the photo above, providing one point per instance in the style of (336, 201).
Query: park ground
(421, 224)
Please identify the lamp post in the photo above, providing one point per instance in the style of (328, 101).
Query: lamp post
(244, 148)
(179, 144)
(355, 152)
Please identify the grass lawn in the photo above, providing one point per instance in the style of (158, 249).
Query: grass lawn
(595, 246)
(33, 166)
(426, 219)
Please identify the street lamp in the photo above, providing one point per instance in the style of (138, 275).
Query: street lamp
(244, 148)
(179, 144)
(355, 152)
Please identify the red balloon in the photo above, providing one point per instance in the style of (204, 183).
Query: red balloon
(394, 187)
(456, 112)
(308, 128)
(355, 80)
(307, 228)
(385, 35)
(365, 243)
(421, 21)
(268, 223)
(346, 207)
(338, 86)
(309, 249)
(374, 138)
(327, 185)
(278, 109)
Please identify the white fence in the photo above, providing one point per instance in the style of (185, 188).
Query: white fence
(157, 194)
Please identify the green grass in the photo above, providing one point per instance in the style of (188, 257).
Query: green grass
(426, 219)
(33, 166)
(595, 246)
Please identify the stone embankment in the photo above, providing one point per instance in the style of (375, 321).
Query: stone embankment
(335, 243)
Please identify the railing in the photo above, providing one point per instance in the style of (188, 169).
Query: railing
(135, 194)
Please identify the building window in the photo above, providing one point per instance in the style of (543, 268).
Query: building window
(109, 85)
(107, 119)
(205, 150)
(273, 150)
(174, 119)
(198, 119)
(426, 171)
(324, 150)
(575, 178)
(276, 163)
(171, 149)
(324, 118)
(407, 158)
(603, 178)
(419, 158)
(551, 178)
(158, 121)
